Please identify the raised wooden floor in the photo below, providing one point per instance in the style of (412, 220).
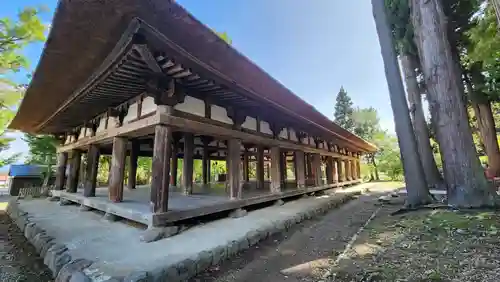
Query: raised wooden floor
(203, 201)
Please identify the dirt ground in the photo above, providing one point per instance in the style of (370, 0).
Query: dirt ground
(18, 258)
(426, 245)
(304, 253)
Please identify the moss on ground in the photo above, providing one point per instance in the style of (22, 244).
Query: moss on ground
(438, 245)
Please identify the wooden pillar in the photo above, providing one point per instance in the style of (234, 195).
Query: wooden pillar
(162, 151)
(316, 168)
(175, 163)
(74, 169)
(340, 170)
(246, 166)
(233, 165)
(347, 167)
(91, 171)
(62, 160)
(276, 160)
(300, 169)
(117, 169)
(283, 168)
(309, 166)
(206, 162)
(329, 169)
(354, 170)
(260, 167)
(132, 168)
(187, 164)
(358, 168)
(335, 176)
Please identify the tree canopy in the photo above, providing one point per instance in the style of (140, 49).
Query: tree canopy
(344, 110)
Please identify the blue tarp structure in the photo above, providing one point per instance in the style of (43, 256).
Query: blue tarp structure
(25, 170)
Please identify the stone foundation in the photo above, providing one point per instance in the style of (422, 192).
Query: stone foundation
(65, 267)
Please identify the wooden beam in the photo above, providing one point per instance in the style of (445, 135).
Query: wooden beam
(205, 127)
(275, 170)
(132, 168)
(300, 169)
(187, 164)
(62, 160)
(233, 165)
(74, 169)
(162, 152)
(91, 171)
(260, 167)
(117, 169)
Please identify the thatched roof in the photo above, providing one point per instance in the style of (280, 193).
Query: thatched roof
(85, 32)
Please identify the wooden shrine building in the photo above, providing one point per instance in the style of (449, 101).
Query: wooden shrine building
(134, 78)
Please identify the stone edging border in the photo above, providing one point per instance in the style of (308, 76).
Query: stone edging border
(65, 268)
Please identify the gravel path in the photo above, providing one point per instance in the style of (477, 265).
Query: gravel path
(302, 254)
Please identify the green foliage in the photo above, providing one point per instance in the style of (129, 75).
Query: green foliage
(402, 29)
(366, 122)
(42, 149)
(15, 35)
(224, 36)
(344, 110)
(388, 156)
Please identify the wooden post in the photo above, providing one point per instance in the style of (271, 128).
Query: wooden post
(354, 171)
(309, 169)
(187, 169)
(206, 161)
(316, 168)
(74, 169)
(260, 167)
(275, 169)
(335, 175)
(283, 168)
(329, 170)
(340, 170)
(62, 160)
(358, 168)
(91, 171)
(162, 151)
(132, 168)
(233, 165)
(347, 166)
(300, 169)
(246, 170)
(118, 158)
(175, 163)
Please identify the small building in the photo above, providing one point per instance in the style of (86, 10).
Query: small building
(24, 176)
(146, 78)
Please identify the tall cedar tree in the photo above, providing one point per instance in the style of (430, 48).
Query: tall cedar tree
(344, 110)
(416, 185)
(402, 31)
(465, 179)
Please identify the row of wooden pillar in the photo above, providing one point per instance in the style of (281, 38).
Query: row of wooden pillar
(164, 168)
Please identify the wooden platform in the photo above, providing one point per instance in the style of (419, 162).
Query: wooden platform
(203, 201)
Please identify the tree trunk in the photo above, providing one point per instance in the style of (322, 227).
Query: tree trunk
(486, 124)
(375, 168)
(416, 186)
(432, 175)
(467, 185)
(496, 6)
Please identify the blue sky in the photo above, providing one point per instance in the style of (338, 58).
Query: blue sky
(312, 47)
